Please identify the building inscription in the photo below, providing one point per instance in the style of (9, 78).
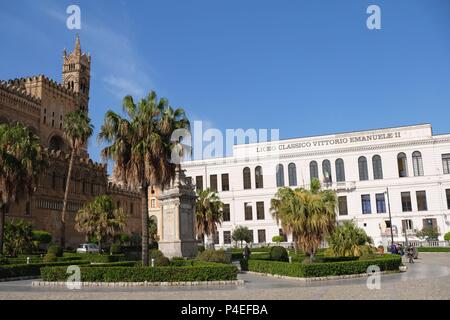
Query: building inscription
(329, 142)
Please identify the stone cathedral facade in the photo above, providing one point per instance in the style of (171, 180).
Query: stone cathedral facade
(41, 104)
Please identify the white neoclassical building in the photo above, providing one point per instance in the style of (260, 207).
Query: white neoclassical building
(404, 170)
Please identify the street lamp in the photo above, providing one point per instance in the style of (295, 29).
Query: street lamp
(390, 217)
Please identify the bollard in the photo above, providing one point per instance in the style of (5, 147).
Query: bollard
(153, 262)
(290, 259)
(28, 260)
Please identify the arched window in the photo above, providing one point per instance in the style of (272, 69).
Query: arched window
(313, 170)
(417, 163)
(280, 175)
(377, 167)
(247, 178)
(326, 169)
(292, 172)
(56, 143)
(259, 183)
(340, 170)
(362, 166)
(402, 163)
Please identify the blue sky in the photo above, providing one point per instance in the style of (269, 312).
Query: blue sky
(306, 67)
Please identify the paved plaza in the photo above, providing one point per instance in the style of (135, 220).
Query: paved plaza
(428, 278)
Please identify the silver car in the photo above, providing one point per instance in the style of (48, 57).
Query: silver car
(88, 248)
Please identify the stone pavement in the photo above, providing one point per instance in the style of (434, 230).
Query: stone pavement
(428, 278)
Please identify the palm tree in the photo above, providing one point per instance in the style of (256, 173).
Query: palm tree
(208, 213)
(100, 218)
(348, 240)
(141, 147)
(308, 214)
(21, 163)
(77, 130)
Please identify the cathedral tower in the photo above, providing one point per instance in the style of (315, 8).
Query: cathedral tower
(76, 73)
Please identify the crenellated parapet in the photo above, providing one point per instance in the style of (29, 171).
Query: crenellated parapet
(34, 86)
(86, 163)
(122, 189)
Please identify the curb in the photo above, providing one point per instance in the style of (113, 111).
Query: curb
(138, 284)
(19, 278)
(346, 276)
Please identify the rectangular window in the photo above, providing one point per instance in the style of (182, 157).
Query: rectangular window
(281, 233)
(260, 210)
(226, 212)
(216, 237)
(225, 182)
(407, 225)
(131, 209)
(252, 238)
(421, 197)
(248, 211)
(388, 223)
(447, 193)
(430, 223)
(261, 236)
(28, 208)
(199, 182)
(365, 202)
(381, 203)
(213, 182)
(446, 163)
(342, 203)
(227, 237)
(406, 201)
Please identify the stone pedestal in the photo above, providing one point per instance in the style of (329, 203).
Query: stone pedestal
(176, 221)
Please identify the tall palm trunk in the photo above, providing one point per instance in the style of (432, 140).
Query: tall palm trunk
(144, 209)
(66, 195)
(2, 227)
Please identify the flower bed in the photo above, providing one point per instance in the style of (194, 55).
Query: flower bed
(196, 272)
(322, 269)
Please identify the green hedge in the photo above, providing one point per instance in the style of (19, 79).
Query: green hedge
(99, 258)
(202, 272)
(386, 262)
(32, 269)
(433, 249)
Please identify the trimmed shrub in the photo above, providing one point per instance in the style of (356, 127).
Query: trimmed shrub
(447, 236)
(385, 262)
(201, 248)
(202, 272)
(433, 249)
(50, 257)
(219, 256)
(260, 256)
(279, 253)
(32, 269)
(56, 250)
(3, 260)
(42, 236)
(116, 249)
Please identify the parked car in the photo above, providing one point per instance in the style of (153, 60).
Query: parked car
(88, 248)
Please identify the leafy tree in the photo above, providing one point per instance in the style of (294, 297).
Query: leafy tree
(428, 233)
(348, 240)
(21, 163)
(77, 130)
(100, 218)
(18, 237)
(308, 214)
(209, 214)
(141, 147)
(277, 239)
(241, 234)
(447, 236)
(153, 229)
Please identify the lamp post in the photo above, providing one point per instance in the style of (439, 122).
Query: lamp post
(390, 217)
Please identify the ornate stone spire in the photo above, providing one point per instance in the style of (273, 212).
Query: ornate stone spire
(77, 45)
